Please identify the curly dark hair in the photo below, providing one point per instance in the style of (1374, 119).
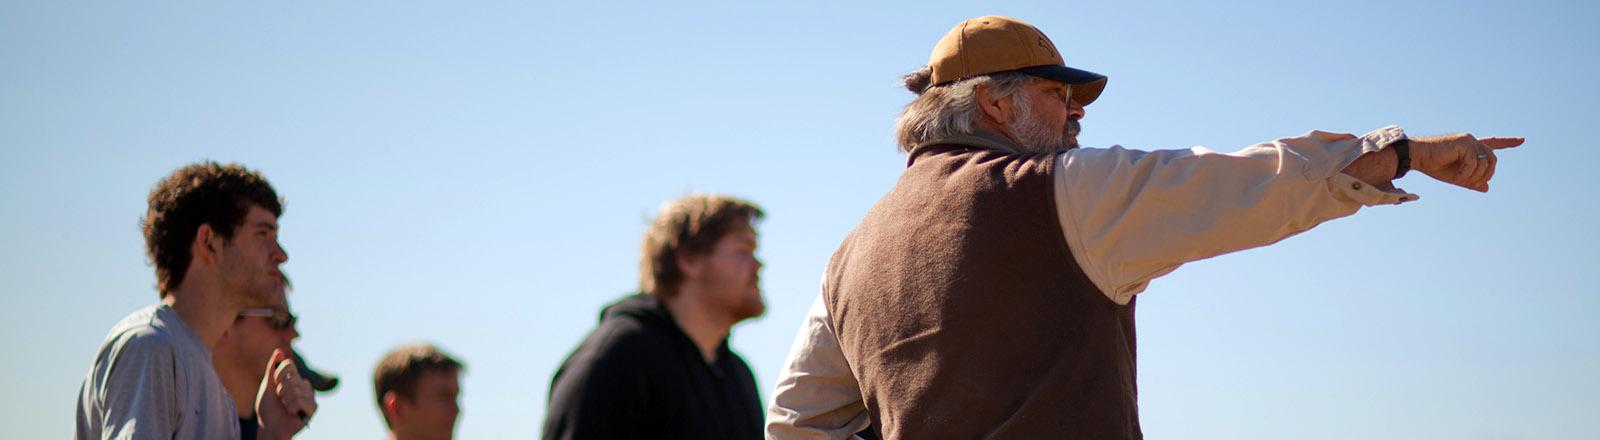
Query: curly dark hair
(691, 225)
(199, 194)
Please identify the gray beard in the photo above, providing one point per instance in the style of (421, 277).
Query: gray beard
(1036, 137)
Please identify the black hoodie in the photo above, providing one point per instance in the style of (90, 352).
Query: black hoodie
(638, 376)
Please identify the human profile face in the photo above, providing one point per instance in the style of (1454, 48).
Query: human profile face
(249, 261)
(255, 333)
(278, 321)
(432, 411)
(730, 274)
(1046, 117)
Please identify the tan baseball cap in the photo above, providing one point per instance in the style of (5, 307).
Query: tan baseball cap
(994, 44)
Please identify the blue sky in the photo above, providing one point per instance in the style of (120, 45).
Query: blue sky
(479, 175)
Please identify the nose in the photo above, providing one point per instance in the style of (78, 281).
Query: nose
(1075, 110)
(279, 255)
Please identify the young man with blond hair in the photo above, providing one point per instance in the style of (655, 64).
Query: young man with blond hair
(658, 364)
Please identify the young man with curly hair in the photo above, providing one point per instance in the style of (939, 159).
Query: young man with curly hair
(211, 232)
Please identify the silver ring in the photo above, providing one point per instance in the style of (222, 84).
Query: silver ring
(1483, 155)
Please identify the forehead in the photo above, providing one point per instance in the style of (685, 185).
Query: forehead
(438, 378)
(739, 233)
(258, 216)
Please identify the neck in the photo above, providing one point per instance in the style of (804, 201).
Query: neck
(996, 129)
(241, 386)
(706, 326)
(204, 308)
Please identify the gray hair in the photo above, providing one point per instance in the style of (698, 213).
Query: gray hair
(948, 110)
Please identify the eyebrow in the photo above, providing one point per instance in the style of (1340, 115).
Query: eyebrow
(270, 226)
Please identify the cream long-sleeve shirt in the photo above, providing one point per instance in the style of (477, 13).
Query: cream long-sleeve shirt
(1128, 216)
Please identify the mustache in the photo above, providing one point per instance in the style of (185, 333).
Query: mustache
(1073, 127)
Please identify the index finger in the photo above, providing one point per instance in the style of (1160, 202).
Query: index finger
(1500, 143)
(285, 369)
(275, 364)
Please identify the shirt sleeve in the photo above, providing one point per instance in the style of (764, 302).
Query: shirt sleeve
(817, 396)
(140, 400)
(1131, 216)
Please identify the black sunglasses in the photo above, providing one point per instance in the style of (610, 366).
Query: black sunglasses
(278, 320)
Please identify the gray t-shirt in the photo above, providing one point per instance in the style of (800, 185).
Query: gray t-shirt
(153, 379)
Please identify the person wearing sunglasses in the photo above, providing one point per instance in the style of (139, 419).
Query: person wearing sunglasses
(248, 345)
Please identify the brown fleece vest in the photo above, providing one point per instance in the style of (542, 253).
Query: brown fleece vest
(963, 314)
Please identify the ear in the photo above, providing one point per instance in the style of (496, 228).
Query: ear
(391, 405)
(688, 264)
(997, 111)
(206, 246)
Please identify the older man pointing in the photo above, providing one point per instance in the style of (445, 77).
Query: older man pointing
(991, 292)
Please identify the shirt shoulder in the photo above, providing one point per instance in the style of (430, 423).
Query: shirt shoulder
(140, 335)
(132, 387)
(619, 346)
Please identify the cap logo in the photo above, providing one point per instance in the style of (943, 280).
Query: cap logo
(1045, 43)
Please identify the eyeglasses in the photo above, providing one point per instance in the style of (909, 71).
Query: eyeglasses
(278, 320)
(1066, 95)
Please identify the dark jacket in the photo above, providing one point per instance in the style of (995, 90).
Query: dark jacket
(638, 376)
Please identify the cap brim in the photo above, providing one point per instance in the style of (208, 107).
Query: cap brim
(318, 380)
(1086, 85)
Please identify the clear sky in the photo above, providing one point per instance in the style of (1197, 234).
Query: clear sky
(479, 174)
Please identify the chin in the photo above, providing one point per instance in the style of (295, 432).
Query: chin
(755, 310)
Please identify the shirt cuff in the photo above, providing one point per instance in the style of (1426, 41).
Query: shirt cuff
(1347, 187)
(1381, 138)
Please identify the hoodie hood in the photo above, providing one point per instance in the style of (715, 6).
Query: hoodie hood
(650, 311)
(646, 309)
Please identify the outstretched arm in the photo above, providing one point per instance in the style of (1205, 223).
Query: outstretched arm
(1131, 216)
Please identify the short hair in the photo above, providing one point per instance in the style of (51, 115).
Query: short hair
(204, 193)
(688, 225)
(951, 109)
(401, 368)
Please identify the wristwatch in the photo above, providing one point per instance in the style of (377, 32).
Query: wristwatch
(1402, 149)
